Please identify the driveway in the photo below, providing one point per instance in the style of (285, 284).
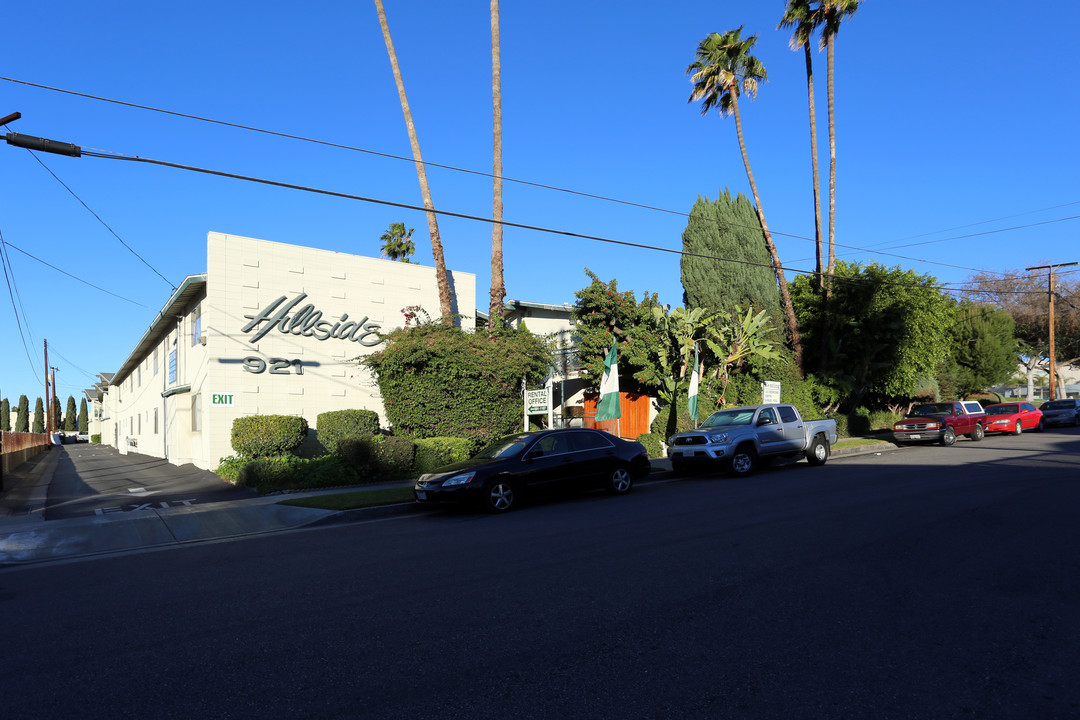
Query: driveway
(97, 480)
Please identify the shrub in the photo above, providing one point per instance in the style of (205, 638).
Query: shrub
(257, 436)
(432, 453)
(653, 444)
(229, 468)
(375, 458)
(841, 425)
(337, 424)
(883, 420)
(288, 472)
(437, 380)
(96, 438)
(859, 422)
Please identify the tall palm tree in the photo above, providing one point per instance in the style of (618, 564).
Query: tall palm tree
(805, 17)
(397, 242)
(725, 68)
(833, 13)
(498, 286)
(446, 307)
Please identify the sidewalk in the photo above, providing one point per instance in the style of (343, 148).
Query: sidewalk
(26, 538)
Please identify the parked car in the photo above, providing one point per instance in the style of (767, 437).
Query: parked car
(941, 422)
(739, 439)
(83, 436)
(1061, 412)
(1013, 418)
(518, 466)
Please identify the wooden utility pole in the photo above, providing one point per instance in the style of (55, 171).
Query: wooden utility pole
(48, 415)
(1053, 357)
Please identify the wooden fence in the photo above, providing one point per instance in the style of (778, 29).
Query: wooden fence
(17, 448)
(635, 415)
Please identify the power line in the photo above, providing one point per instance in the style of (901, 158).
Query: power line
(79, 279)
(554, 188)
(73, 194)
(10, 283)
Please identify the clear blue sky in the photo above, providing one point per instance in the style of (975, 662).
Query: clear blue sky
(951, 120)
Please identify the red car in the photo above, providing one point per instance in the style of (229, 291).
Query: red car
(1013, 418)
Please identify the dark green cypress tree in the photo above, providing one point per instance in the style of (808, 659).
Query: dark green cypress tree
(71, 420)
(57, 416)
(729, 229)
(5, 415)
(22, 419)
(39, 416)
(84, 421)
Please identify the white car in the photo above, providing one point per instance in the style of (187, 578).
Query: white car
(83, 436)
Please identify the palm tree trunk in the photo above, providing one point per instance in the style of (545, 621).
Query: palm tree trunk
(785, 296)
(498, 287)
(814, 160)
(832, 166)
(441, 277)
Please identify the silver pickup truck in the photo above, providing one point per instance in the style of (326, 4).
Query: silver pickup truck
(739, 439)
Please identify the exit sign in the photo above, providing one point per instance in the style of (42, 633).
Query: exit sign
(221, 399)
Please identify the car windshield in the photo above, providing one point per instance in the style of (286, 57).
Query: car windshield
(509, 446)
(728, 418)
(1002, 409)
(938, 409)
(1059, 405)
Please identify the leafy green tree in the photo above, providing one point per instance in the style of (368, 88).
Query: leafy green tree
(1023, 296)
(71, 420)
(39, 416)
(56, 415)
(437, 380)
(983, 348)
(397, 243)
(603, 312)
(725, 68)
(893, 330)
(5, 415)
(84, 419)
(22, 416)
(730, 229)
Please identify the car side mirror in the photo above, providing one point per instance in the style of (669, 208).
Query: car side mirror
(764, 421)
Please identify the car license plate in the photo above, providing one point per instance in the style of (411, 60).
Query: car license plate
(421, 495)
(915, 437)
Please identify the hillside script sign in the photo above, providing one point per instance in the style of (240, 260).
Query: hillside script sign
(306, 321)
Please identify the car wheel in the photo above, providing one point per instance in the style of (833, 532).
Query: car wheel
(744, 462)
(978, 433)
(619, 480)
(1039, 427)
(1076, 419)
(500, 496)
(948, 437)
(818, 452)
(1019, 429)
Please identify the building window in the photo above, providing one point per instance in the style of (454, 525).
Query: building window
(172, 367)
(155, 361)
(140, 425)
(155, 421)
(196, 412)
(138, 375)
(196, 324)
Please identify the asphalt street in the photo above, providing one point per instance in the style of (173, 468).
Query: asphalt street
(926, 583)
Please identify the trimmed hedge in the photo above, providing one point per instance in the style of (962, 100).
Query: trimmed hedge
(377, 457)
(259, 436)
(337, 424)
(96, 438)
(289, 472)
(432, 453)
(654, 444)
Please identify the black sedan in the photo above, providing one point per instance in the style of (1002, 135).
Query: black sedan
(534, 463)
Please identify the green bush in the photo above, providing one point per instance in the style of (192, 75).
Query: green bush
(288, 472)
(653, 444)
(881, 420)
(432, 453)
(258, 436)
(437, 380)
(858, 422)
(229, 468)
(375, 458)
(96, 438)
(337, 424)
(841, 425)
